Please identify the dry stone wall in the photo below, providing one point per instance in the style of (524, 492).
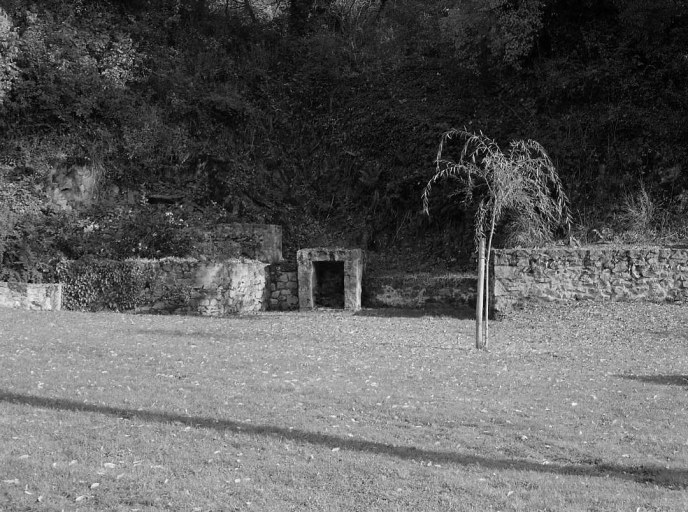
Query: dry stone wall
(598, 273)
(284, 288)
(170, 285)
(419, 290)
(207, 288)
(43, 297)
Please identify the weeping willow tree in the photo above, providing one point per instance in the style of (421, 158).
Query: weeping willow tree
(520, 185)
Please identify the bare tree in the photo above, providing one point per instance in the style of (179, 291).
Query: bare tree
(521, 183)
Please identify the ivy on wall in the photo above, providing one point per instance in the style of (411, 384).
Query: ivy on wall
(169, 285)
(92, 285)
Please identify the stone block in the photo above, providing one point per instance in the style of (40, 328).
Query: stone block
(41, 297)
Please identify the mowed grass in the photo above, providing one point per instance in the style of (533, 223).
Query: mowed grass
(575, 407)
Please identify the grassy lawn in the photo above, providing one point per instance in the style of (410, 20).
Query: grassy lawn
(580, 407)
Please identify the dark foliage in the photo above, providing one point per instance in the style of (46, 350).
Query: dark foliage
(325, 116)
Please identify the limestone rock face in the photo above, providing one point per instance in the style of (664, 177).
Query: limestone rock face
(74, 183)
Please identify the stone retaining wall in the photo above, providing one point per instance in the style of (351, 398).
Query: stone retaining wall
(594, 273)
(43, 297)
(170, 285)
(397, 291)
(419, 290)
(223, 288)
(284, 289)
(208, 288)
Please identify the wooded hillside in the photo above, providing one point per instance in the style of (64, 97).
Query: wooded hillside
(324, 116)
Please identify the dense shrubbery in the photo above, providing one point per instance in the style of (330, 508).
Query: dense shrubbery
(144, 232)
(33, 243)
(104, 284)
(325, 117)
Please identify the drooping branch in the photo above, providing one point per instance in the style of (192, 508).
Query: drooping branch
(522, 182)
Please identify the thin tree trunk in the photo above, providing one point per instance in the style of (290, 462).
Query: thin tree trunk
(479, 340)
(487, 284)
(486, 310)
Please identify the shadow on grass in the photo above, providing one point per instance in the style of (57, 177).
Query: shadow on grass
(460, 312)
(669, 478)
(669, 380)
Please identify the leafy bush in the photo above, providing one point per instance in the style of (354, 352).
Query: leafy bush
(9, 50)
(92, 285)
(498, 31)
(7, 232)
(148, 231)
(72, 67)
(34, 243)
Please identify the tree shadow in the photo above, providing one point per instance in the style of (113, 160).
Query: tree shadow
(669, 478)
(458, 312)
(179, 333)
(669, 380)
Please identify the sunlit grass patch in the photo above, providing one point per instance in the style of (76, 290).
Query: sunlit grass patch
(575, 407)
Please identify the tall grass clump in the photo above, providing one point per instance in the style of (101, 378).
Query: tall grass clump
(519, 185)
(638, 215)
